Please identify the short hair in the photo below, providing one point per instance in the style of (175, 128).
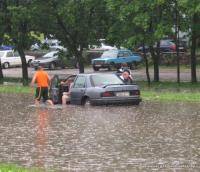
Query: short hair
(127, 71)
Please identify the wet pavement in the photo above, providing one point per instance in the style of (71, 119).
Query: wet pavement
(150, 137)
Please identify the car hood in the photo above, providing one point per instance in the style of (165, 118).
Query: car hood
(44, 60)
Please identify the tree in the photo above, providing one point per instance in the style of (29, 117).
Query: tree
(140, 22)
(191, 10)
(18, 29)
(76, 23)
(2, 28)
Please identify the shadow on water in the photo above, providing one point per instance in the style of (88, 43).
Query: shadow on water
(151, 137)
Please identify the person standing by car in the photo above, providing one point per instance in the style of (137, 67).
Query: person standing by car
(43, 80)
(126, 77)
(66, 95)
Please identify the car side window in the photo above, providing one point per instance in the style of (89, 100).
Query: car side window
(80, 82)
(10, 54)
(120, 54)
(126, 54)
(16, 54)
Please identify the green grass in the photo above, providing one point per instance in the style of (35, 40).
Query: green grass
(15, 168)
(14, 89)
(161, 91)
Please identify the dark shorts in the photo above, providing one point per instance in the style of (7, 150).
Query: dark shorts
(42, 92)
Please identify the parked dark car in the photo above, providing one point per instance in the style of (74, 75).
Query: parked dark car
(165, 46)
(98, 89)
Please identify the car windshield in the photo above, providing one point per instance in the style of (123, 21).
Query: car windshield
(109, 54)
(2, 54)
(51, 54)
(108, 79)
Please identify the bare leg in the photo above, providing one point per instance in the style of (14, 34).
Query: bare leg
(37, 102)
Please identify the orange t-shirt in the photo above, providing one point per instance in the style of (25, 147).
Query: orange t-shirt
(42, 79)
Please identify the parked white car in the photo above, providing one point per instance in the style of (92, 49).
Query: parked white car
(10, 58)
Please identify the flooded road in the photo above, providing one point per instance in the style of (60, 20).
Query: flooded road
(150, 137)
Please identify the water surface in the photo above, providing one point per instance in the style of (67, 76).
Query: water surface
(150, 137)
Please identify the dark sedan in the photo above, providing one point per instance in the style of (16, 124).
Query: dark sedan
(97, 89)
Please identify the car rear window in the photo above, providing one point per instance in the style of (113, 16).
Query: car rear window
(108, 79)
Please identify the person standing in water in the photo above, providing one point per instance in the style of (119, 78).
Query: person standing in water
(43, 80)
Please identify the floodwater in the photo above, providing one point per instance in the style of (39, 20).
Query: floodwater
(150, 137)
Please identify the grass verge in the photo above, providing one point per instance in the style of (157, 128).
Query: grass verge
(161, 91)
(15, 168)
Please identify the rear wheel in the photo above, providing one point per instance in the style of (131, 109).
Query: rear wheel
(6, 65)
(86, 101)
(95, 68)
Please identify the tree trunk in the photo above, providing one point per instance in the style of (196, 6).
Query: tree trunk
(177, 42)
(1, 74)
(193, 49)
(24, 67)
(79, 57)
(147, 65)
(155, 64)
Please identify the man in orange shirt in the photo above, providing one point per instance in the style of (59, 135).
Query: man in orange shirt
(42, 79)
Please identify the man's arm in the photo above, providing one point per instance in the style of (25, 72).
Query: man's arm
(33, 80)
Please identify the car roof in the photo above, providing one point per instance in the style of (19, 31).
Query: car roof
(6, 51)
(92, 74)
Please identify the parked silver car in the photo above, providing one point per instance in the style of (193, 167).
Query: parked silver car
(97, 89)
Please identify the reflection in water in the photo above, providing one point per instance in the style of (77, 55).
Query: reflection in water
(41, 137)
(151, 137)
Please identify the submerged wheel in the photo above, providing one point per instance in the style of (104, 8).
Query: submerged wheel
(6, 65)
(86, 101)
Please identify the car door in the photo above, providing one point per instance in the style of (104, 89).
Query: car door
(10, 58)
(17, 59)
(120, 57)
(78, 90)
(127, 57)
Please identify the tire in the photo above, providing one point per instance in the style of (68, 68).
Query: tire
(86, 101)
(6, 65)
(29, 63)
(52, 66)
(136, 103)
(111, 66)
(95, 68)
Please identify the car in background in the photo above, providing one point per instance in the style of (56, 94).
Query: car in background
(100, 89)
(114, 58)
(10, 58)
(6, 47)
(49, 60)
(166, 46)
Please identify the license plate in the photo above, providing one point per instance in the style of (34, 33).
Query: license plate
(97, 65)
(122, 94)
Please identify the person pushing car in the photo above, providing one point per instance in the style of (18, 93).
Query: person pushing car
(43, 80)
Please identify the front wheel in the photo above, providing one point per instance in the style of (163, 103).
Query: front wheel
(6, 65)
(52, 66)
(86, 101)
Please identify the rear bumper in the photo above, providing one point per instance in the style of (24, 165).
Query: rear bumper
(116, 100)
(101, 66)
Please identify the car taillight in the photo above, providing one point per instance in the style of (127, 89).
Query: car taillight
(135, 93)
(107, 94)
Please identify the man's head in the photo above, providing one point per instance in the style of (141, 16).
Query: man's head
(126, 74)
(39, 67)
